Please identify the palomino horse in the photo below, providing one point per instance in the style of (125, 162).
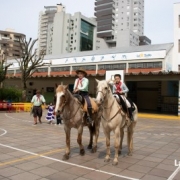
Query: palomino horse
(114, 119)
(73, 117)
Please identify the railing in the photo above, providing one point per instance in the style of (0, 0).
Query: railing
(16, 107)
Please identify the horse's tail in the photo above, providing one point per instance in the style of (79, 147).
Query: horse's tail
(135, 113)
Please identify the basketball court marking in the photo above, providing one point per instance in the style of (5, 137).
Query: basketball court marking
(4, 132)
(65, 162)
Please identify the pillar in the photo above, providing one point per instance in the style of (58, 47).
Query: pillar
(179, 100)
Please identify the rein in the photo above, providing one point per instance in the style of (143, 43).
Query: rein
(112, 117)
(65, 102)
(119, 110)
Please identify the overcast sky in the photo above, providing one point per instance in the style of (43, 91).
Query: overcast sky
(22, 16)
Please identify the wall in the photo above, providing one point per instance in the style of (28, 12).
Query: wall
(147, 95)
(176, 53)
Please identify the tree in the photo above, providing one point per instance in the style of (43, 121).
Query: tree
(30, 60)
(3, 68)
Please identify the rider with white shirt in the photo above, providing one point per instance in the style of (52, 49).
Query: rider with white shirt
(81, 87)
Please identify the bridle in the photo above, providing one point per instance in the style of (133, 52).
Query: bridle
(110, 107)
(65, 103)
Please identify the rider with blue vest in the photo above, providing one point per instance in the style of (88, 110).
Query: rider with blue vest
(121, 89)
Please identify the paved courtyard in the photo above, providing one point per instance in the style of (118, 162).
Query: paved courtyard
(35, 152)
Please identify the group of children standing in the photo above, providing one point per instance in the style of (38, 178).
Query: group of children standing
(50, 117)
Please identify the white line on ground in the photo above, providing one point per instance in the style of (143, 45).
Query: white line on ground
(4, 132)
(174, 173)
(16, 118)
(72, 164)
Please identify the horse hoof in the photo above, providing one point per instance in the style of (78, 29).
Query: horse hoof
(65, 157)
(82, 152)
(115, 163)
(89, 146)
(94, 149)
(129, 154)
(106, 160)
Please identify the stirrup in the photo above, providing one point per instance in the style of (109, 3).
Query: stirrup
(89, 120)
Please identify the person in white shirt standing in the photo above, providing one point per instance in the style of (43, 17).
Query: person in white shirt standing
(37, 101)
(81, 87)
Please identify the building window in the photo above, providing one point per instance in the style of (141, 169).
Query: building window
(86, 36)
(179, 45)
(59, 69)
(42, 70)
(88, 67)
(112, 66)
(145, 65)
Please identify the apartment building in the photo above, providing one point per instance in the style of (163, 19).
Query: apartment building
(120, 22)
(9, 44)
(65, 33)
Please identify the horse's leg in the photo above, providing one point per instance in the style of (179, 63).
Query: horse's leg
(121, 139)
(91, 136)
(107, 134)
(130, 130)
(116, 145)
(67, 151)
(96, 127)
(79, 140)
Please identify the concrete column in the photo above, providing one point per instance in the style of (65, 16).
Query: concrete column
(179, 100)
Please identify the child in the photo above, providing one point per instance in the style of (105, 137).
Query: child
(58, 119)
(50, 113)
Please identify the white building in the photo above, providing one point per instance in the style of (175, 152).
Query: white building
(176, 58)
(60, 32)
(120, 23)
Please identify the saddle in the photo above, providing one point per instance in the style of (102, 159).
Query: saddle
(83, 102)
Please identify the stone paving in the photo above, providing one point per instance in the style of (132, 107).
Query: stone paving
(35, 152)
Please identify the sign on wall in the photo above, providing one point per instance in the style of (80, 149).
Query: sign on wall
(110, 74)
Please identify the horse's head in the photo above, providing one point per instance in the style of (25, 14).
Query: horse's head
(103, 89)
(61, 92)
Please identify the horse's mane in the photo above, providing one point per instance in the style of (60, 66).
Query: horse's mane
(62, 88)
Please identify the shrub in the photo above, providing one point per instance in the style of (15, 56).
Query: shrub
(11, 94)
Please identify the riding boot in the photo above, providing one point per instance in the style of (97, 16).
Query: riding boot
(89, 116)
(130, 114)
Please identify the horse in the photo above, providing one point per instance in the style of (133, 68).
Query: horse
(114, 119)
(73, 117)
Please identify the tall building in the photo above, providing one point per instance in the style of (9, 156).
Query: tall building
(9, 44)
(45, 28)
(65, 33)
(120, 22)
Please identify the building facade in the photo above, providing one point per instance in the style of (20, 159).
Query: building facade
(176, 58)
(120, 22)
(10, 44)
(149, 75)
(66, 33)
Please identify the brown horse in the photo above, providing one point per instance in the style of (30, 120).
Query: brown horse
(114, 119)
(73, 117)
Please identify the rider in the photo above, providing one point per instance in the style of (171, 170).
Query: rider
(121, 89)
(81, 87)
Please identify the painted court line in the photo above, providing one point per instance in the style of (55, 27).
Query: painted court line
(174, 173)
(4, 132)
(17, 118)
(72, 164)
